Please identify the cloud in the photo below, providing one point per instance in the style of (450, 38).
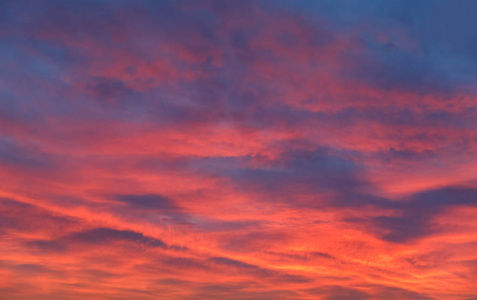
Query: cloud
(149, 201)
(95, 237)
(276, 276)
(419, 211)
(107, 235)
(108, 89)
(23, 157)
(414, 216)
(340, 293)
(237, 149)
(27, 218)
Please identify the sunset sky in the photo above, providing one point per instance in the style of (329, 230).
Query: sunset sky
(235, 149)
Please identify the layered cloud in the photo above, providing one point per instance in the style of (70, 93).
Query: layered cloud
(238, 150)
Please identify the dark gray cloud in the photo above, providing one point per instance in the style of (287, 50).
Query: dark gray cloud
(51, 247)
(302, 256)
(23, 157)
(273, 275)
(414, 215)
(418, 212)
(99, 236)
(339, 293)
(232, 263)
(20, 216)
(294, 171)
(95, 237)
(148, 201)
(109, 88)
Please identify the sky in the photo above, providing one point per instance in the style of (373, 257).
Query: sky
(235, 149)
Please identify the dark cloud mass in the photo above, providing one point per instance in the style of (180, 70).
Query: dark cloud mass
(148, 201)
